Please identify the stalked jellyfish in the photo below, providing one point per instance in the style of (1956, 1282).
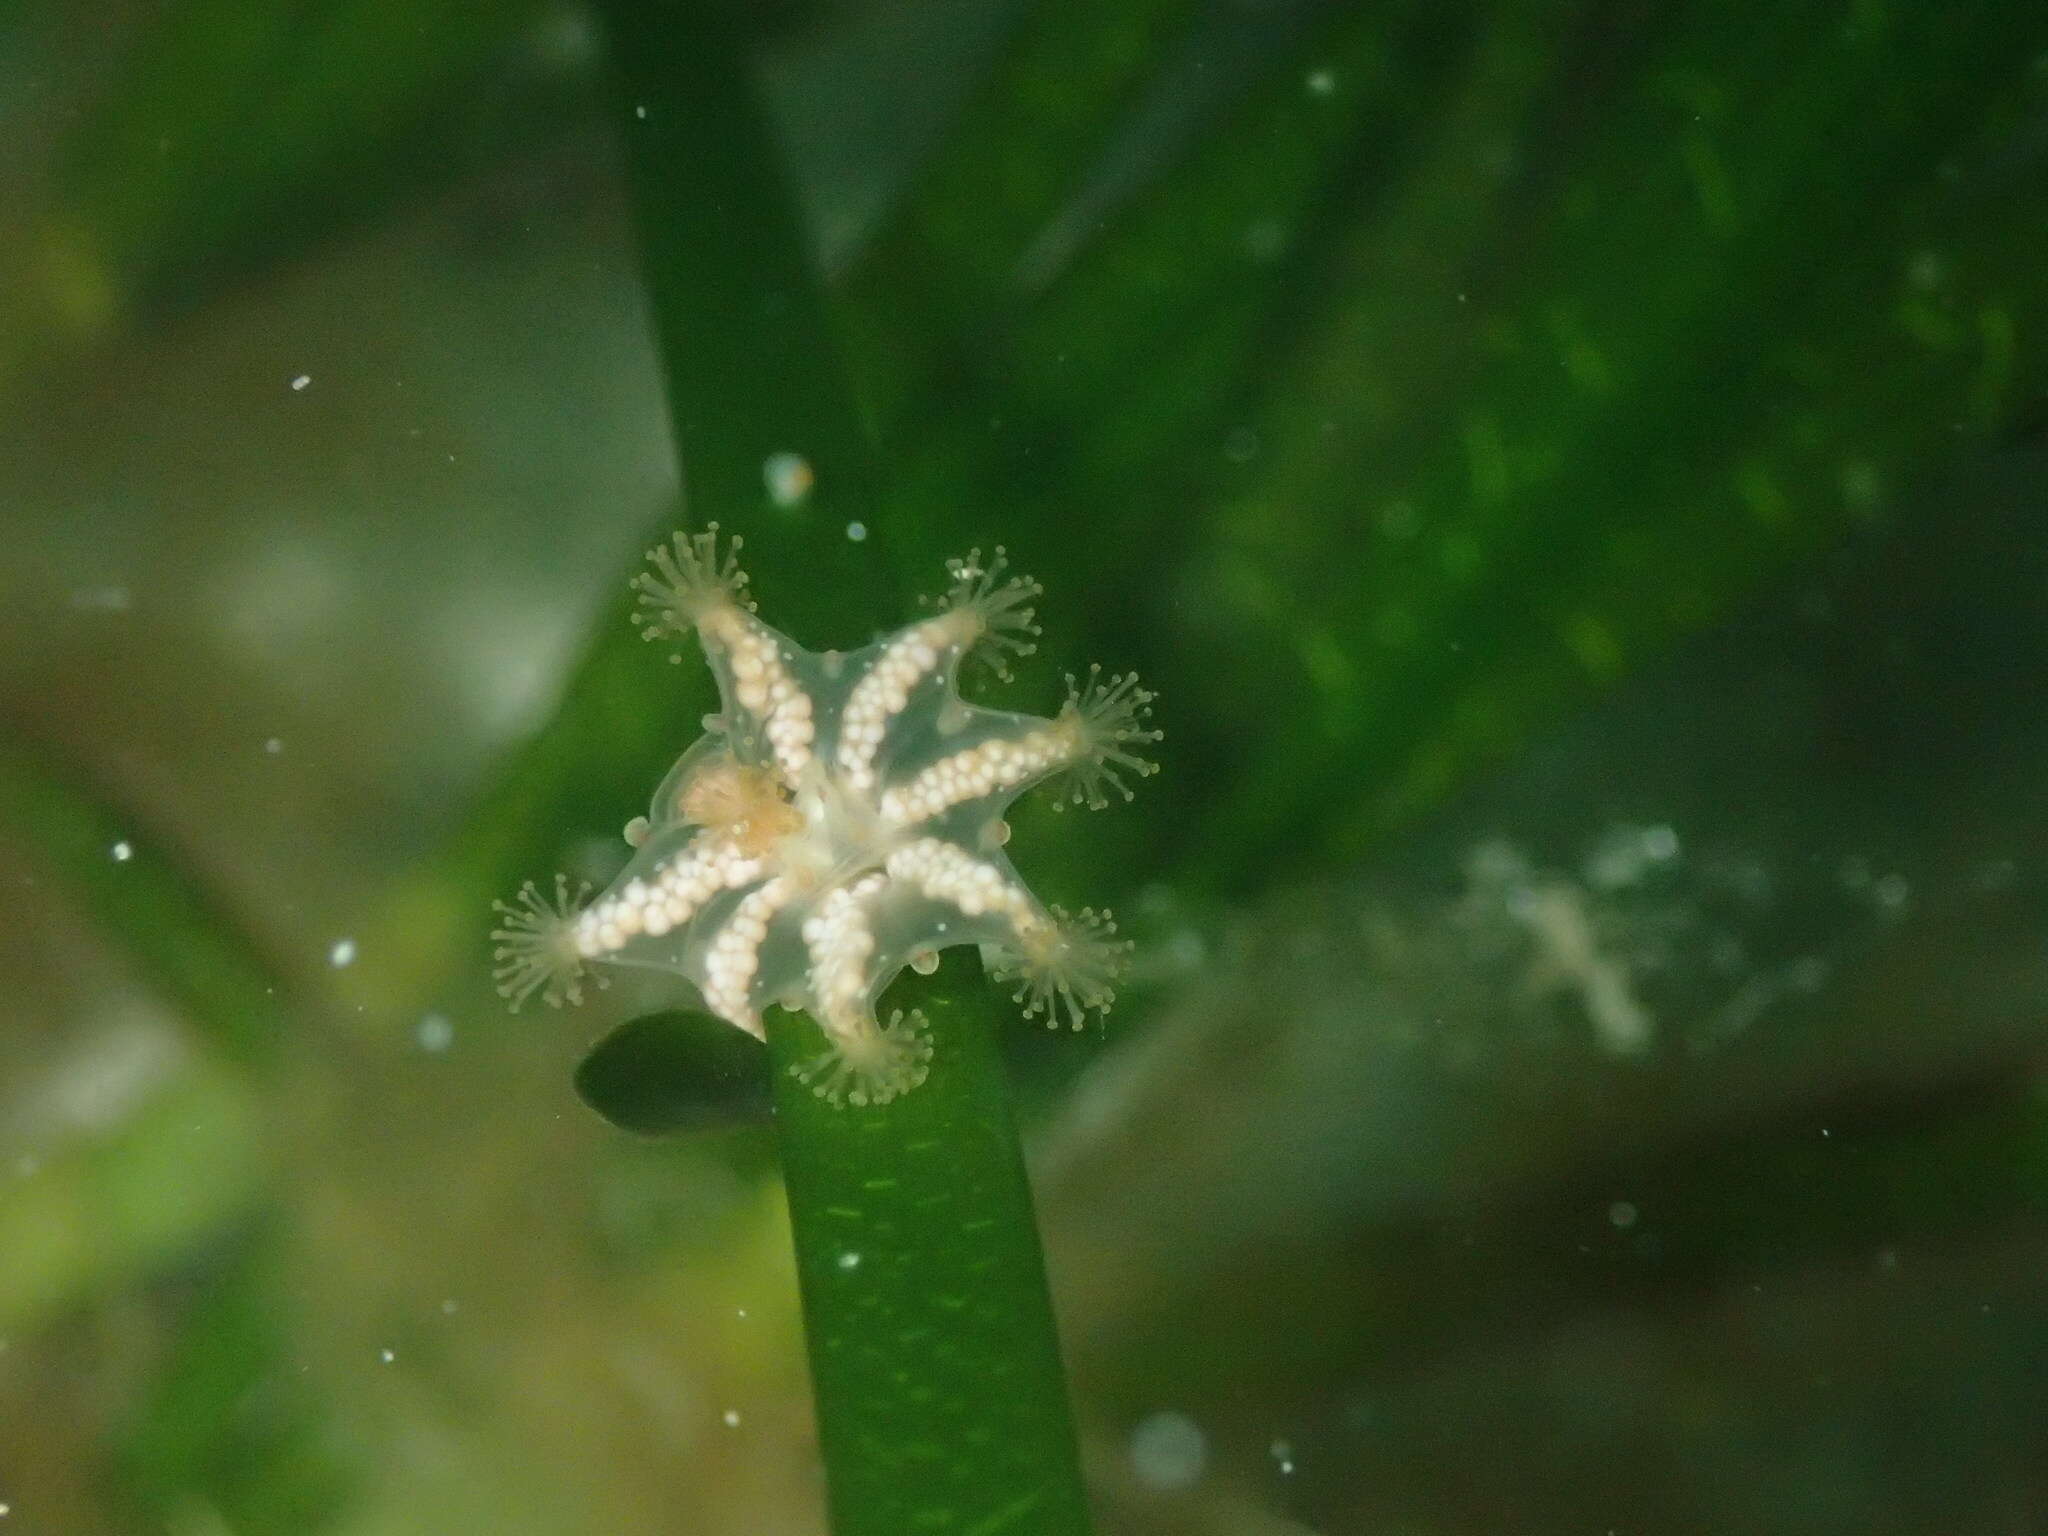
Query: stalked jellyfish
(841, 818)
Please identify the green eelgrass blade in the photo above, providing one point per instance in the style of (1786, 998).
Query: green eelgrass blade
(940, 1397)
(161, 918)
(931, 1336)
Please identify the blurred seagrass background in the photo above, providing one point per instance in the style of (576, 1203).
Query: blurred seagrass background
(1576, 472)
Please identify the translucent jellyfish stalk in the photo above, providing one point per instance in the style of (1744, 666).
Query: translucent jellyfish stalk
(995, 613)
(872, 1066)
(690, 581)
(841, 820)
(536, 946)
(1103, 722)
(1065, 966)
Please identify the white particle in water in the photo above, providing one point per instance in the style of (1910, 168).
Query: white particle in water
(1283, 1456)
(1321, 82)
(1399, 520)
(435, 1033)
(343, 952)
(849, 1260)
(856, 531)
(387, 1355)
(448, 1308)
(302, 381)
(122, 852)
(1622, 1214)
(1265, 241)
(789, 478)
(731, 1416)
(1168, 1451)
(274, 745)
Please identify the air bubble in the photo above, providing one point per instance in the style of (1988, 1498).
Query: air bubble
(1169, 1451)
(789, 478)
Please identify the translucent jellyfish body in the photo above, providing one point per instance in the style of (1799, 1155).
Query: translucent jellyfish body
(841, 818)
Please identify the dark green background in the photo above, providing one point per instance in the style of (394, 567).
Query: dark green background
(1576, 476)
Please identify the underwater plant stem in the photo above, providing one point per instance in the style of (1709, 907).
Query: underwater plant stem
(751, 360)
(138, 891)
(941, 1402)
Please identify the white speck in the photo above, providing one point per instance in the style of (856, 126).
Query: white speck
(1168, 1451)
(1265, 241)
(342, 953)
(789, 478)
(1283, 1456)
(1627, 853)
(1892, 892)
(849, 1260)
(387, 1355)
(274, 745)
(1826, 1132)
(6, 1510)
(302, 381)
(448, 1307)
(856, 531)
(641, 113)
(1622, 1214)
(1399, 520)
(731, 1417)
(742, 1312)
(1997, 874)
(435, 1033)
(1807, 974)
(1321, 82)
(122, 852)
